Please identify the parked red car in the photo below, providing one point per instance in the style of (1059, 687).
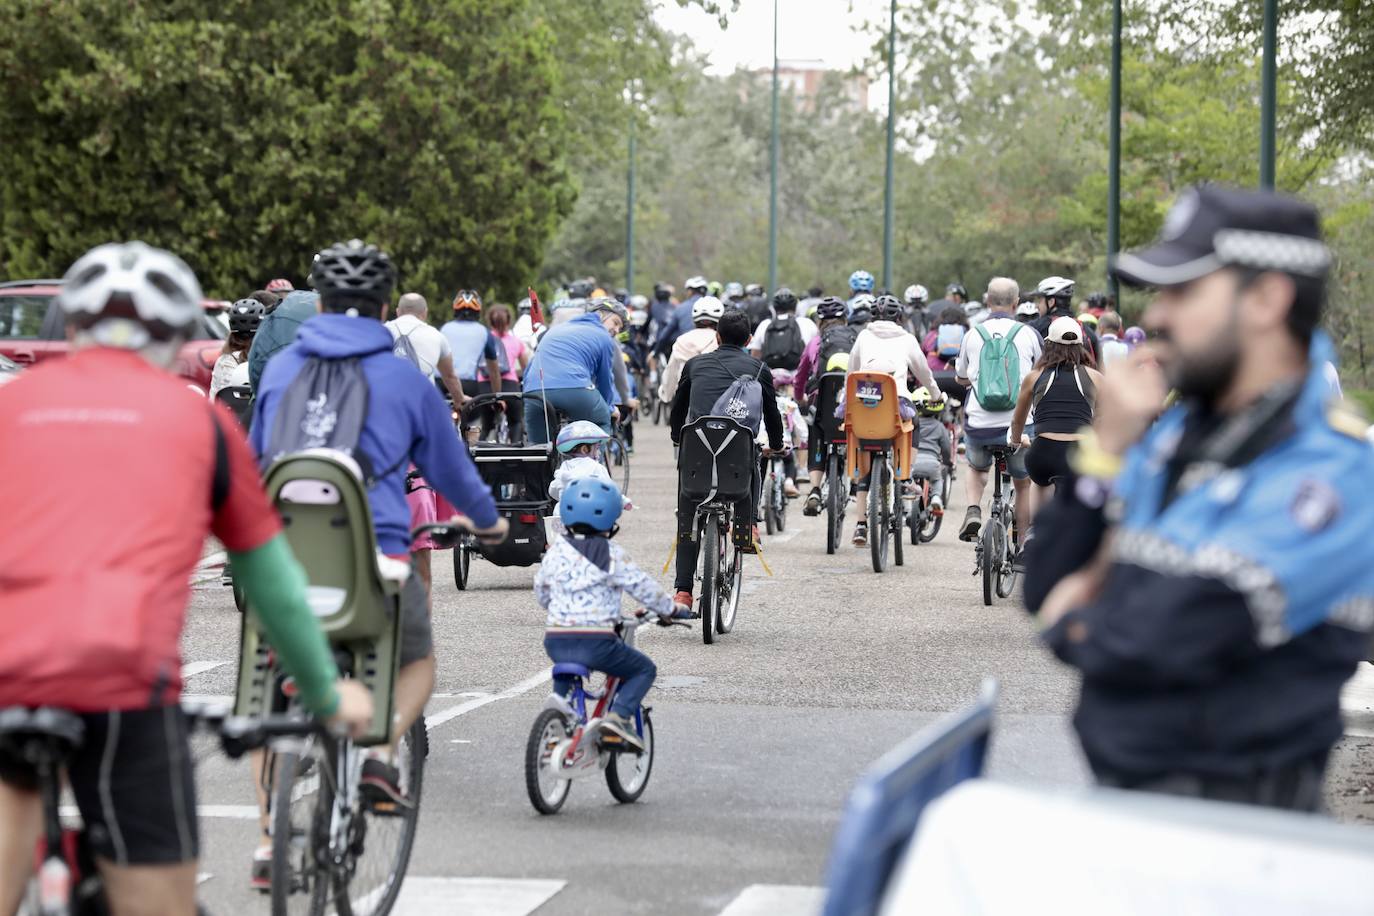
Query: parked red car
(32, 330)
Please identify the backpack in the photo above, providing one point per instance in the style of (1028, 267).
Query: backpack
(782, 343)
(742, 402)
(836, 339)
(948, 339)
(406, 350)
(999, 370)
(325, 406)
(758, 310)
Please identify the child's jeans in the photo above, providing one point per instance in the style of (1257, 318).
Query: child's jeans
(604, 653)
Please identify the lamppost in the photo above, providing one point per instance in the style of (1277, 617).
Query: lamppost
(891, 139)
(1267, 88)
(773, 170)
(1114, 151)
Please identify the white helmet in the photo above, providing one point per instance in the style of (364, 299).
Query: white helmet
(697, 282)
(128, 294)
(972, 307)
(707, 308)
(1055, 288)
(639, 302)
(916, 293)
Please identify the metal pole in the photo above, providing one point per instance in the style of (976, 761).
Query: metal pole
(773, 170)
(891, 139)
(630, 204)
(1267, 88)
(1114, 152)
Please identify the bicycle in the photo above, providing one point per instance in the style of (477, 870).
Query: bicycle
(835, 483)
(994, 556)
(774, 499)
(616, 455)
(880, 439)
(924, 520)
(563, 745)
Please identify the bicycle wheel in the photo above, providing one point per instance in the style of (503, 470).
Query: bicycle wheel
(770, 511)
(381, 840)
(546, 789)
(729, 585)
(994, 536)
(301, 806)
(710, 572)
(878, 530)
(894, 522)
(780, 501)
(462, 564)
(834, 504)
(1006, 572)
(931, 522)
(627, 775)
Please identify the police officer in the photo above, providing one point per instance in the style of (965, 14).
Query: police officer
(1210, 574)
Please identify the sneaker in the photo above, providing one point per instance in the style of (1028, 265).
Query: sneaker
(261, 877)
(909, 490)
(973, 523)
(813, 502)
(789, 489)
(619, 733)
(380, 786)
(682, 597)
(861, 534)
(751, 546)
(937, 506)
(1018, 562)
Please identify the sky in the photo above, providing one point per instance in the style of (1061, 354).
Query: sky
(807, 29)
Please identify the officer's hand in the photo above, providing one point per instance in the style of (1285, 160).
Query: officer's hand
(354, 715)
(1129, 399)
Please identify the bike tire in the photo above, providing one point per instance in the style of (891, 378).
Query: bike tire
(462, 566)
(1006, 573)
(550, 726)
(834, 506)
(730, 584)
(769, 514)
(386, 862)
(781, 503)
(992, 557)
(877, 511)
(627, 774)
(301, 805)
(710, 573)
(894, 523)
(931, 523)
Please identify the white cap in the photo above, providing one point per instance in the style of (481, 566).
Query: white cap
(1028, 308)
(1066, 330)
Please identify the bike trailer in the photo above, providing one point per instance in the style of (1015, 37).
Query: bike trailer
(354, 592)
(519, 477)
(716, 461)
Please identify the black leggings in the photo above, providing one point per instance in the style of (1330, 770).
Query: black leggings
(1048, 460)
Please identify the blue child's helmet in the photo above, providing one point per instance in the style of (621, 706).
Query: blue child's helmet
(592, 502)
(861, 281)
(580, 432)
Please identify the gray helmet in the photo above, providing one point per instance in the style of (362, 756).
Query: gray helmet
(607, 304)
(356, 268)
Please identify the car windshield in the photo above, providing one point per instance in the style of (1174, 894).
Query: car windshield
(207, 328)
(22, 316)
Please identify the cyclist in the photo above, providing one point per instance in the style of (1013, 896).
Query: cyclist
(860, 310)
(825, 353)
(808, 305)
(956, 293)
(281, 286)
(1114, 349)
(525, 324)
(1215, 633)
(513, 357)
(339, 385)
(472, 343)
(986, 426)
(885, 346)
(1027, 312)
(1057, 294)
(916, 296)
(706, 313)
(756, 304)
(779, 341)
(433, 355)
(278, 329)
(733, 296)
(661, 309)
(933, 457)
(1063, 405)
(942, 346)
(860, 284)
(1097, 305)
(715, 288)
(101, 636)
(704, 380)
(581, 583)
(614, 318)
(231, 368)
(794, 429)
(572, 372)
(680, 322)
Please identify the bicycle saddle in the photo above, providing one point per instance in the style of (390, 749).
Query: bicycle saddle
(19, 724)
(572, 668)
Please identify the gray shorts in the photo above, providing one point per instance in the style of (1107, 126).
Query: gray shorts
(926, 466)
(417, 640)
(980, 459)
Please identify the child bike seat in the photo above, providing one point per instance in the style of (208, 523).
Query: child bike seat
(572, 668)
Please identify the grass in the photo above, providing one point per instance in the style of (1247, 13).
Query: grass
(1364, 397)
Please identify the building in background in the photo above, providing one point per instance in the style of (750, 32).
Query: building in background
(804, 79)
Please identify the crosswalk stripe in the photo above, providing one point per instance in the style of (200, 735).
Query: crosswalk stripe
(475, 896)
(191, 669)
(777, 900)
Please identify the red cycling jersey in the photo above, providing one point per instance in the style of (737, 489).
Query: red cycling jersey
(106, 480)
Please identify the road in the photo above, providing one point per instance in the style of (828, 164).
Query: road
(760, 736)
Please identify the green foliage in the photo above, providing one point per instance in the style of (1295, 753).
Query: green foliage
(247, 134)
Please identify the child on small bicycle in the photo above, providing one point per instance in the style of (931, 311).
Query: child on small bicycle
(580, 444)
(933, 456)
(580, 583)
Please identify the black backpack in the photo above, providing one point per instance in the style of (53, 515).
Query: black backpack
(758, 310)
(838, 338)
(782, 343)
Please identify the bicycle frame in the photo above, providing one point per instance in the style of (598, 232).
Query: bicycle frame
(569, 761)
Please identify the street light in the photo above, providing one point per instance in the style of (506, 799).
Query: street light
(1267, 88)
(891, 138)
(773, 170)
(630, 203)
(1114, 153)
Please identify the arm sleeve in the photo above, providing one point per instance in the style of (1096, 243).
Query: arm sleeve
(274, 584)
(622, 383)
(444, 460)
(807, 366)
(667, 386)
(257, 353)
(772, 419)
(245, 519)
(489, 348)
(920, 368)
(605, 375)
(1078, 532)
(641, 586)
(946, 452)
(677, 418)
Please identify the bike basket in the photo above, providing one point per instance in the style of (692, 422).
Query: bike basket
(716, 461)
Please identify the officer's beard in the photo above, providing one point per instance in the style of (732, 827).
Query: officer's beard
(1208, 375)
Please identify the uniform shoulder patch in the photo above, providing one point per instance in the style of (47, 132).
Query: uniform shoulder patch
(1347, 419)
(1316, 505)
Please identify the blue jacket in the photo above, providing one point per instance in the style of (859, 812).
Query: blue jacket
(680, 323)
(407, 421)
(574, 354)
(1232, 612)
(279, 329)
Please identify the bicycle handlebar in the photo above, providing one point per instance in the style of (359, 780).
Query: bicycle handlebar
(240, 734)
(448, 532)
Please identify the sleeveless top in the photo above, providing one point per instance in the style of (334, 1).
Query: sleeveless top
(1063, 400)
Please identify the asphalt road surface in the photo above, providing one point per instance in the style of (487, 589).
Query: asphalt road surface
(760, 736)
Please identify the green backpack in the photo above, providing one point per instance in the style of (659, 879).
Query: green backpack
(999, 370)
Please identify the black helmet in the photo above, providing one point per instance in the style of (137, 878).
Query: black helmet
(888, 308)
(580, 289)
(663, 292)
(622, 295)
(860, 316)
(355, 268)
(1097, 300)
(245, 316)
(956, 289)
(785, 300)
(830, 307)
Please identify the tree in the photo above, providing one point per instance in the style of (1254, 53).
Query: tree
(246, 135)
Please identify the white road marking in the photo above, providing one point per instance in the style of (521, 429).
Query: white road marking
(227, 812)
(475, 896)
(1357, 702)
(207, 699)
(194, 668)
(212, 560)
(439, 718)
(776, 900)
(780, 538)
